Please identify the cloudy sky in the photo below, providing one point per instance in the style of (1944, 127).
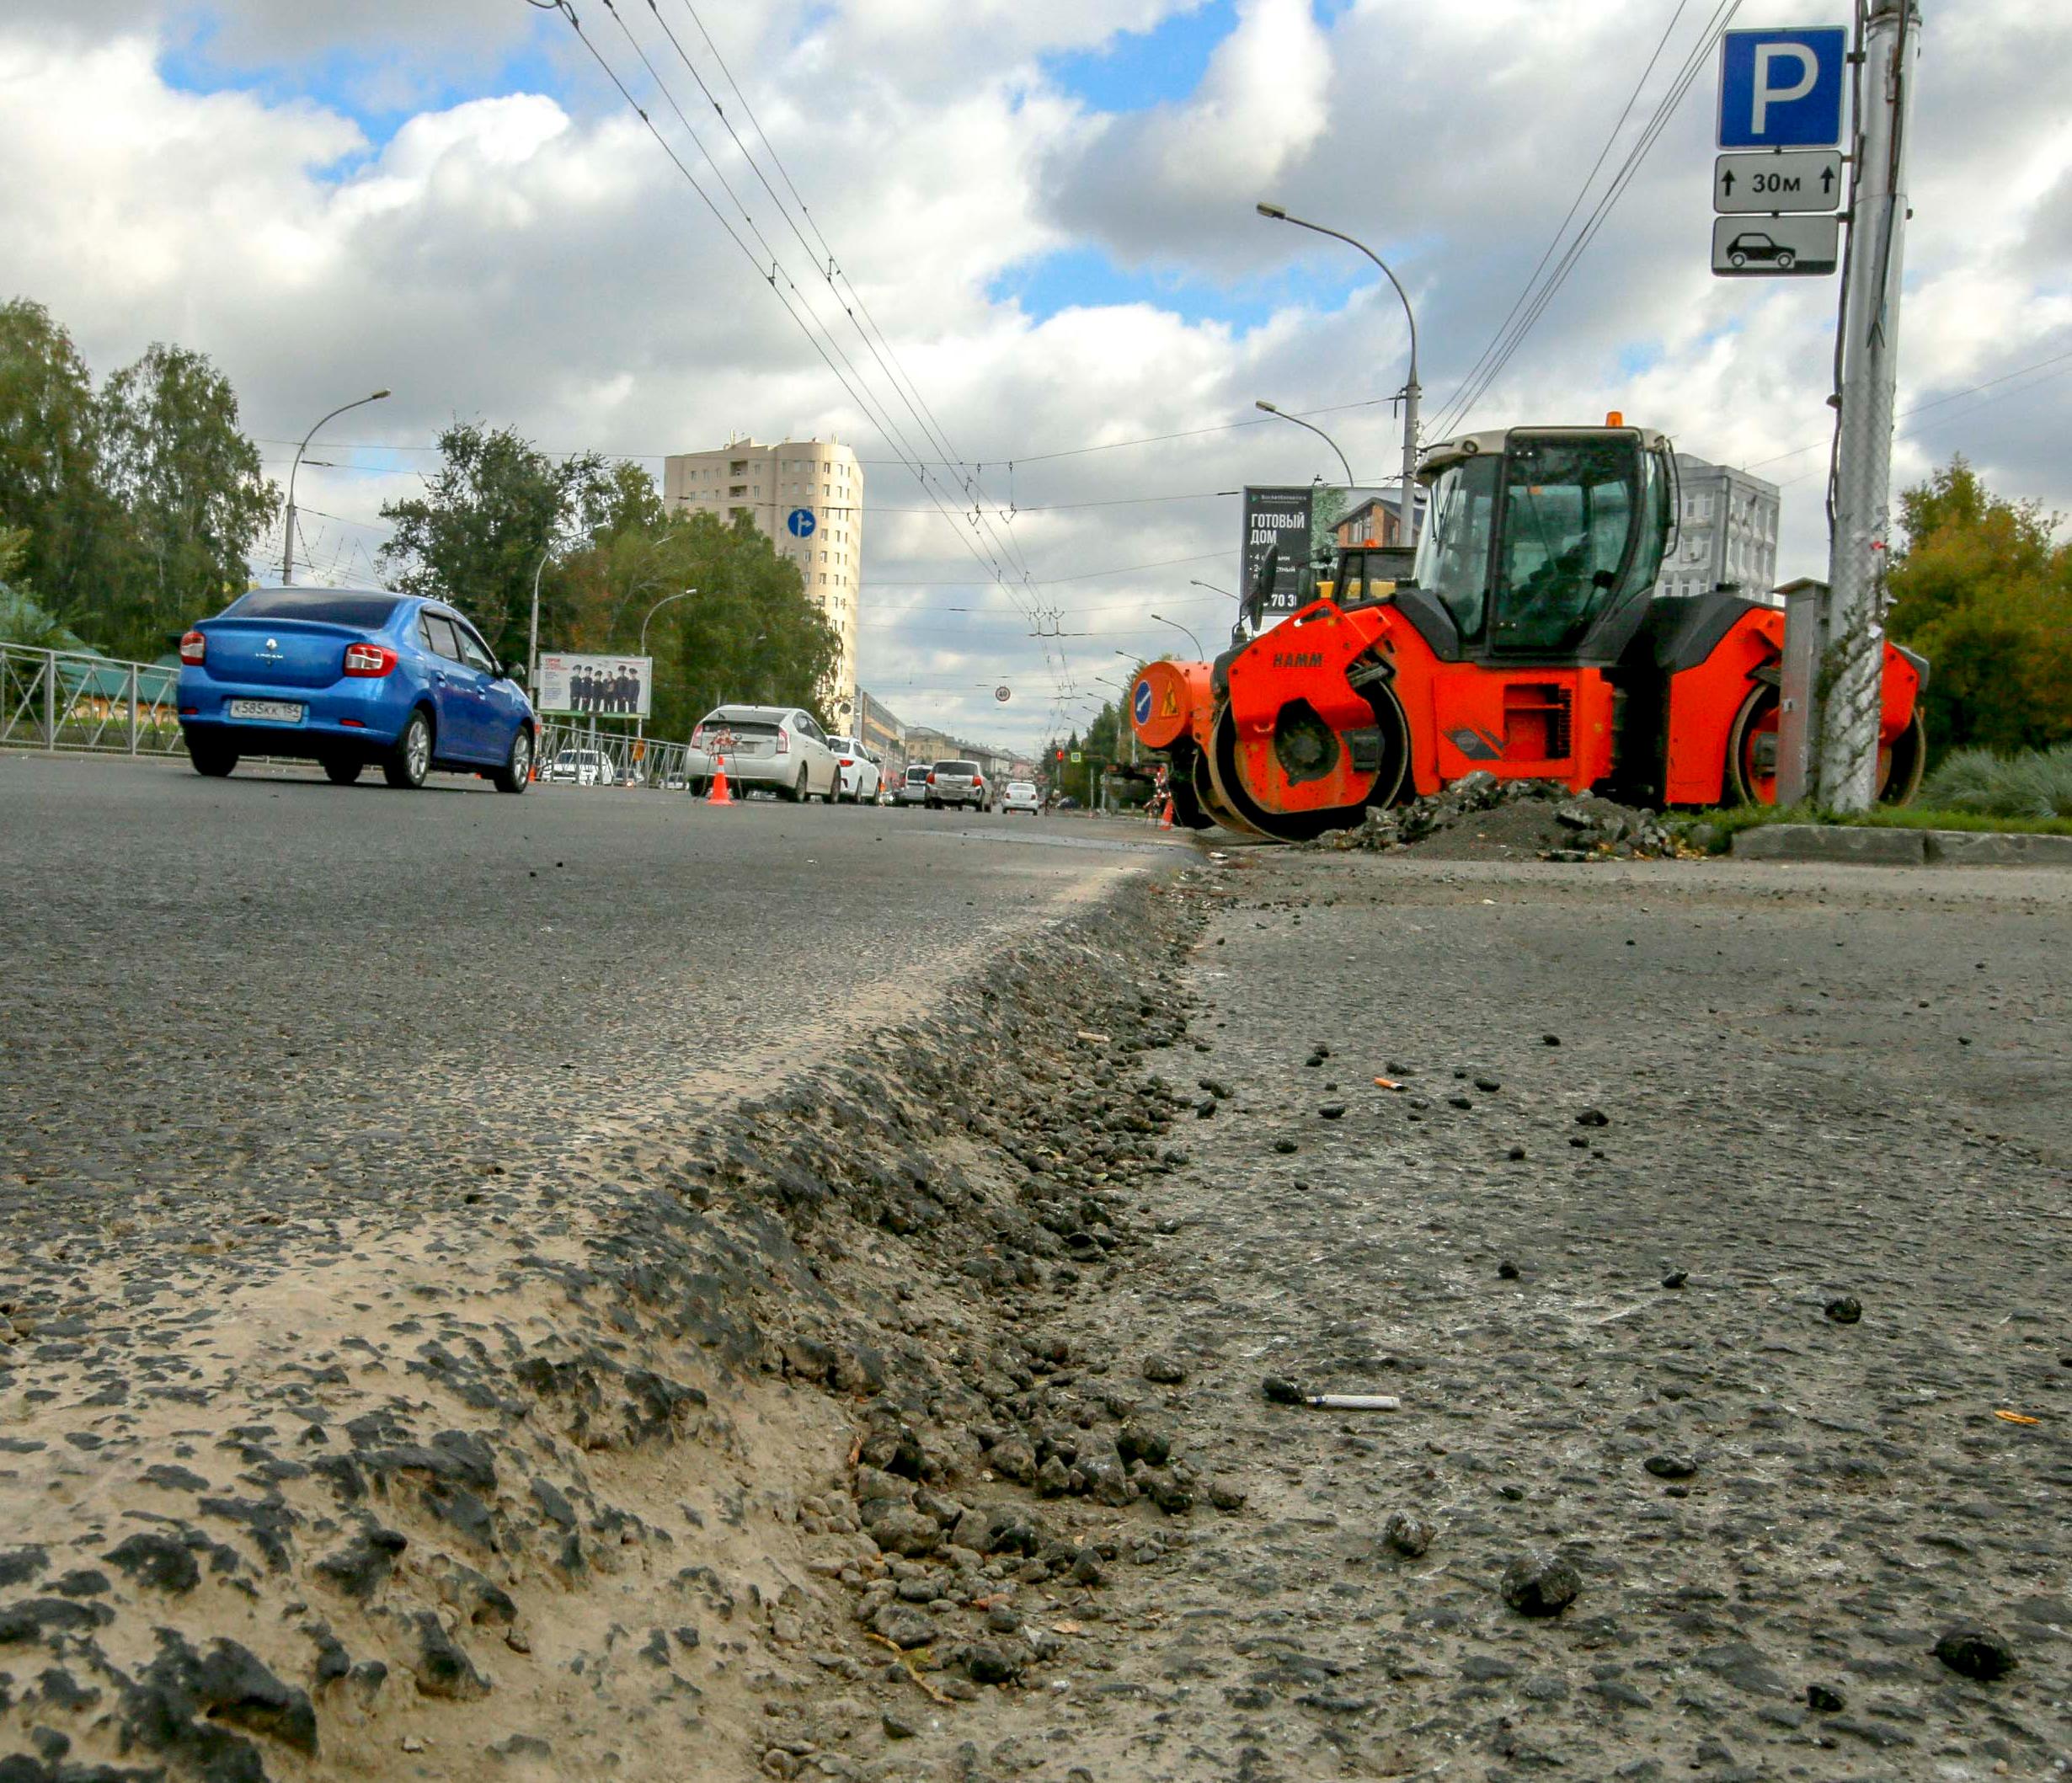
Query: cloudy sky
(1046, 214)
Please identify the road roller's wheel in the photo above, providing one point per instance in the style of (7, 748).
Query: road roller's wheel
(1899, 767)
(1752, 751)
(1280, 826)
(1203, 781)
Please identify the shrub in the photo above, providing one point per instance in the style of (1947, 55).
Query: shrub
(2035, 783)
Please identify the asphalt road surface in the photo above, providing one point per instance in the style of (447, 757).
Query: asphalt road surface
(269, 983)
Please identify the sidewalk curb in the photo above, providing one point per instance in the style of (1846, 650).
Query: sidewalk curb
(1873, 847)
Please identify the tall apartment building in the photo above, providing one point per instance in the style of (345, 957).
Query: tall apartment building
(807, 495)
(1727, 531)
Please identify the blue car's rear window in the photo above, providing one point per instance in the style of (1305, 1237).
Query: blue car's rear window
(370, 612)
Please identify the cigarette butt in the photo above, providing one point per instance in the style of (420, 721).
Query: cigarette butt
(1387, 1083)
(1357, 1401)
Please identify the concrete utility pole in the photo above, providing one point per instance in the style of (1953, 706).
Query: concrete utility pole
(1410, 393)
(287, 547)
(1847, 687)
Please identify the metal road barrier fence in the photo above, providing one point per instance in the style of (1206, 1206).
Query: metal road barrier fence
(658, 765)
(79, 700)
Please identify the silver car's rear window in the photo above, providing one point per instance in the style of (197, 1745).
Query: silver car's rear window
(956, 767)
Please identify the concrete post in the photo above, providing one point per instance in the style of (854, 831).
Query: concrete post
(1846, 694)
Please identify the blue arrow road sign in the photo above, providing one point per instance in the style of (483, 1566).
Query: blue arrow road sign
(1782, 89)
(800, 522)
(1141, 701)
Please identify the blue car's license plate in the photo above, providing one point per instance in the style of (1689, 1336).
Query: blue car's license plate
(277, 711)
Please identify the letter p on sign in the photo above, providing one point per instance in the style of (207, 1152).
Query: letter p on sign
(1782, 89)
(1768, 90)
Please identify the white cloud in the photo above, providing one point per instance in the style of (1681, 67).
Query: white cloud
(529, 257)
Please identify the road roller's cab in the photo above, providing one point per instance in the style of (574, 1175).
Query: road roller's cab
(1526, 641)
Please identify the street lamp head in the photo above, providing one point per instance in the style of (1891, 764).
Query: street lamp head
(1274, 211)
(377, 396)
(1267, 406)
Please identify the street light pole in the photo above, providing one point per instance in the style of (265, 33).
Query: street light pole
(1184, 633)
(532, 636)
(640, 724)
(1343, 462)
(1410, 393)
(287, 543)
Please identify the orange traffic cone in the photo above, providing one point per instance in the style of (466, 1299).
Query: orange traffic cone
(1165, 817)
(720, 795)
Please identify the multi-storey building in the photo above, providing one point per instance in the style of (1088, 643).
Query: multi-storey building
(807, 496)
(876, 725)
(1726, 532)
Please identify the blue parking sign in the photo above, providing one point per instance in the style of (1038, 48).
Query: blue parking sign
(1782, 89)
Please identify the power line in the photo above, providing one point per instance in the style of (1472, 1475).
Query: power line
(808, 328)
(1463, 403)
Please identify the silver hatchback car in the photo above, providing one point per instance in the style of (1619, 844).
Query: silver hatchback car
(779, 749)
(958, 783)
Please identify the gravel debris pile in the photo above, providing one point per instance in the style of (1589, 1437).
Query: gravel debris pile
(1481, 817)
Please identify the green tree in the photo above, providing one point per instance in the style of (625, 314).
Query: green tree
(1983, 590)
(494, 507)
(749, 634)
(193, 498)
(50, 483)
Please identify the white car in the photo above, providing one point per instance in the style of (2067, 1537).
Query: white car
(861, 775)
(1022, 796)
(769, 749)
(582, 767)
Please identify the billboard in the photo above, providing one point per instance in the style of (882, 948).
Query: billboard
(596, 686)
(1303, 522)
(1275, 516)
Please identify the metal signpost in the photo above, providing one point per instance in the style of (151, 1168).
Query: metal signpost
(1781, 95)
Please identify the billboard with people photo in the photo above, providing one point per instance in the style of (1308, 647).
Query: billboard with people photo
(596, 686)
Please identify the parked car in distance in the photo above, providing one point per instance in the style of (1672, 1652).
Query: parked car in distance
(958, 783)
(860, 776)
(913, 788)
(775, 748)
(582, 767)
(351, 678)
(1068, 803)
(1022, 796)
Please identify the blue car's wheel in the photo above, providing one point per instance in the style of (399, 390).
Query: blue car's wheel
(214, 759)
(516, 774)
(410, 760)
(342, 771)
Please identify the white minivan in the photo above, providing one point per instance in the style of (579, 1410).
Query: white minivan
(582, 767)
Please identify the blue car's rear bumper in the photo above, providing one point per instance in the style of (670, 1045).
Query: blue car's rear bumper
(352, 717)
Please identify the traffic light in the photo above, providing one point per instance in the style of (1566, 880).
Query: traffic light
(1061, 754)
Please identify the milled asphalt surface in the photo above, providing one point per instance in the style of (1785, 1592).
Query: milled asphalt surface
(272, 986)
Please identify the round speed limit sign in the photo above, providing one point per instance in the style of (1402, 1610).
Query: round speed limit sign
(1003, 694)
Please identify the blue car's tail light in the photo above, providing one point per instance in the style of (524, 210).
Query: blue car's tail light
(194, 647)
(369, 659)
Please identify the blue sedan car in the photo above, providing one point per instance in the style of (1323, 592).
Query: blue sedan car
(351, 679)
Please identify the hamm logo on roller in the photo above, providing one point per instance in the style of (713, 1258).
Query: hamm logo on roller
(1298, 659)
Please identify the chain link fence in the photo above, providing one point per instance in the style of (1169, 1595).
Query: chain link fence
(75, 700)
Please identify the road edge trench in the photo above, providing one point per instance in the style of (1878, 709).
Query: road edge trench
(690, 1462)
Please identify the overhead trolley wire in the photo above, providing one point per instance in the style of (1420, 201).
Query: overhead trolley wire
(808, 327)
(1463, 401)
